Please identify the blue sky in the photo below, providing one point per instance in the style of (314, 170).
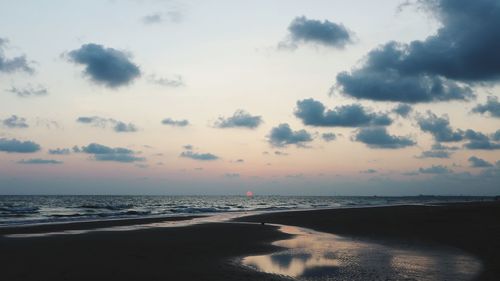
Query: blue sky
(277, 97)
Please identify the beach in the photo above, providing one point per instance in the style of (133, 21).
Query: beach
(210, 251)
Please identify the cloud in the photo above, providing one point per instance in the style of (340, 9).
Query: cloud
(402, 109)
(175, 82)
(240, 119)
(326, 33)
(439, 146)
(40, 161)
(283, 135)
(368, 171)
(29, 91)
(105, 66)
(389, 85)
(377, 137)
(199, 156)
(280, 153)
(476, 162)
(16, 146)
(121, 127)
(478, 140)
(328, 137)
(314, 113)
(118, 126)
(435, 169)
(439, 127)
(15, 122)
(496, 135)
(156, 18)
(464, 50)
(60, 151)
(10, 65)
(492, 107)
(435, 154)
(188, 147)
(105, 153)
(175, 123)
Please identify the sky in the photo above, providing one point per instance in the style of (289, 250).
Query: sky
(339, 97)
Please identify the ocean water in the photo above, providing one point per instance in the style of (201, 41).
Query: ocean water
(18, 210)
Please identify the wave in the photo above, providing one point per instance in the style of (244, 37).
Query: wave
(107, 207)
(20, 210)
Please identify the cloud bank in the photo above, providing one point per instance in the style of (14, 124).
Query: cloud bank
(464, 51)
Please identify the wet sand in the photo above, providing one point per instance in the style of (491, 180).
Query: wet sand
(197, 252)
(472, 227)
(206, 251)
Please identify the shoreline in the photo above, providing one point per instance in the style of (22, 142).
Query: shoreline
(473, 227)
(213, 246)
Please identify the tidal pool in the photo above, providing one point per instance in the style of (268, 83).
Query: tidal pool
(312, 255)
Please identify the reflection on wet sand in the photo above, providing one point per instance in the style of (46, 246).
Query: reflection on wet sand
(313, 255)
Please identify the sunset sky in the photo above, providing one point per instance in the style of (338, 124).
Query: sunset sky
(339, 97)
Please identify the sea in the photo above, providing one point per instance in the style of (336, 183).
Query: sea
(35, 209)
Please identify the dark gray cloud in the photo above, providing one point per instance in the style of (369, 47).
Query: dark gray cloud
(122, 127)
(314, 113)
(199, 156)
(9, 65)
(188, 147)
(174, 82)
(368, 171)
(378, 137)
(105, 66)
(435, 169)
(328, 137)
(439, 127)
(29, 91)
(15, 121)
(478, 140)
(476, 162)
(175, 123)
(492, 107)
(105, 153)
(60, 151)
(280, 153)
(17, 146)
(240, 119)
(464, 50)
(402, 109)
(40, 161)
(326, 33)
(435, 154)
(389, 85)
(283, 135)
(117, 125)
(496, 136)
